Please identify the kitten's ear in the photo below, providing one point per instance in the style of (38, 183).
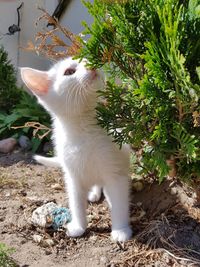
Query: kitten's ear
(37, 81)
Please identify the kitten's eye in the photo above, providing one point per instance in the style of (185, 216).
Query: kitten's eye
(69, 71)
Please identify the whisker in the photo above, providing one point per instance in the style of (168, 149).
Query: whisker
(79, 95)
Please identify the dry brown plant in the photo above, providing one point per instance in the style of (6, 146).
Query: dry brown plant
(37, 127)
(55, 43)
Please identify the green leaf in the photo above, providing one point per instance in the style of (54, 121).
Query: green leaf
(36, 142)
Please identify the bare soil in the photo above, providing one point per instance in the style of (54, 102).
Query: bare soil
(164, 218)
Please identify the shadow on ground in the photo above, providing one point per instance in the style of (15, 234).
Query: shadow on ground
(171, 221)
(15, 157)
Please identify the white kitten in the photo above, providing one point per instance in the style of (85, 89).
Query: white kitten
(85, 152)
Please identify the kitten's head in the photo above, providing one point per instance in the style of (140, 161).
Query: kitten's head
(69, 88)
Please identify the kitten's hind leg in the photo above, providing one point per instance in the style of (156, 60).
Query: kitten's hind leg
(94, 194)
(117, 194)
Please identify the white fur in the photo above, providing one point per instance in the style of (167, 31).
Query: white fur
(94, 194)
(85, 152)
(50, 162)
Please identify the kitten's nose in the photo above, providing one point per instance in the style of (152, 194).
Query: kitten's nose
(93, 70)
(93, 73)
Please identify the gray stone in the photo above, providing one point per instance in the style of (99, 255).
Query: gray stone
(41, 216)
(37, 238)
(47, 147)
(25, 142)
(7, 145)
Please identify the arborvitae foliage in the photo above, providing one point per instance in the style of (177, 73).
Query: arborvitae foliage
(150, 50)
(9, 92)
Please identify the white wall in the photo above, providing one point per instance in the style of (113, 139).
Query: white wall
(72, 18)
(8, 16)
(14, 43)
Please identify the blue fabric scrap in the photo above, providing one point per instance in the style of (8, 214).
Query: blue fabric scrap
(60, 216)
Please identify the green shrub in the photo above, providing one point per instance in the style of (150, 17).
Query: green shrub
(19, 112)
(9, 91)
(153, 47)
(5, 259)
(22, 121)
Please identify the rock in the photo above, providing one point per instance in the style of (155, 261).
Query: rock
(47, 147)
(25, 142)
(7, 145)
(47, 242)
(41, 216)
(173, 191)
(138, 186)
(56, 186)
(51, 215)
(37, 238)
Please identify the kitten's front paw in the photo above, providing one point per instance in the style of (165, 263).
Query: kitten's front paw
(122, 234)
(74, 230)
(94, 194)
(93, 197)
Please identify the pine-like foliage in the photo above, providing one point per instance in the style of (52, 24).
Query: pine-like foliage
(9, 92)
(150, 50)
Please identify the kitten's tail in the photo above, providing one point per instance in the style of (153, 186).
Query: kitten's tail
(50, 162)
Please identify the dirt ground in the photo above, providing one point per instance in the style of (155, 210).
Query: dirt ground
(165, 222)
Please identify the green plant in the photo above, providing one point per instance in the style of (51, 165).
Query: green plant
(153, 48)
(5, 259)
(28, 118)
(9, 92)
(19, 112)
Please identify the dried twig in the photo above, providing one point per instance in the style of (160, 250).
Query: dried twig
(56, 43)
(37, 127)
